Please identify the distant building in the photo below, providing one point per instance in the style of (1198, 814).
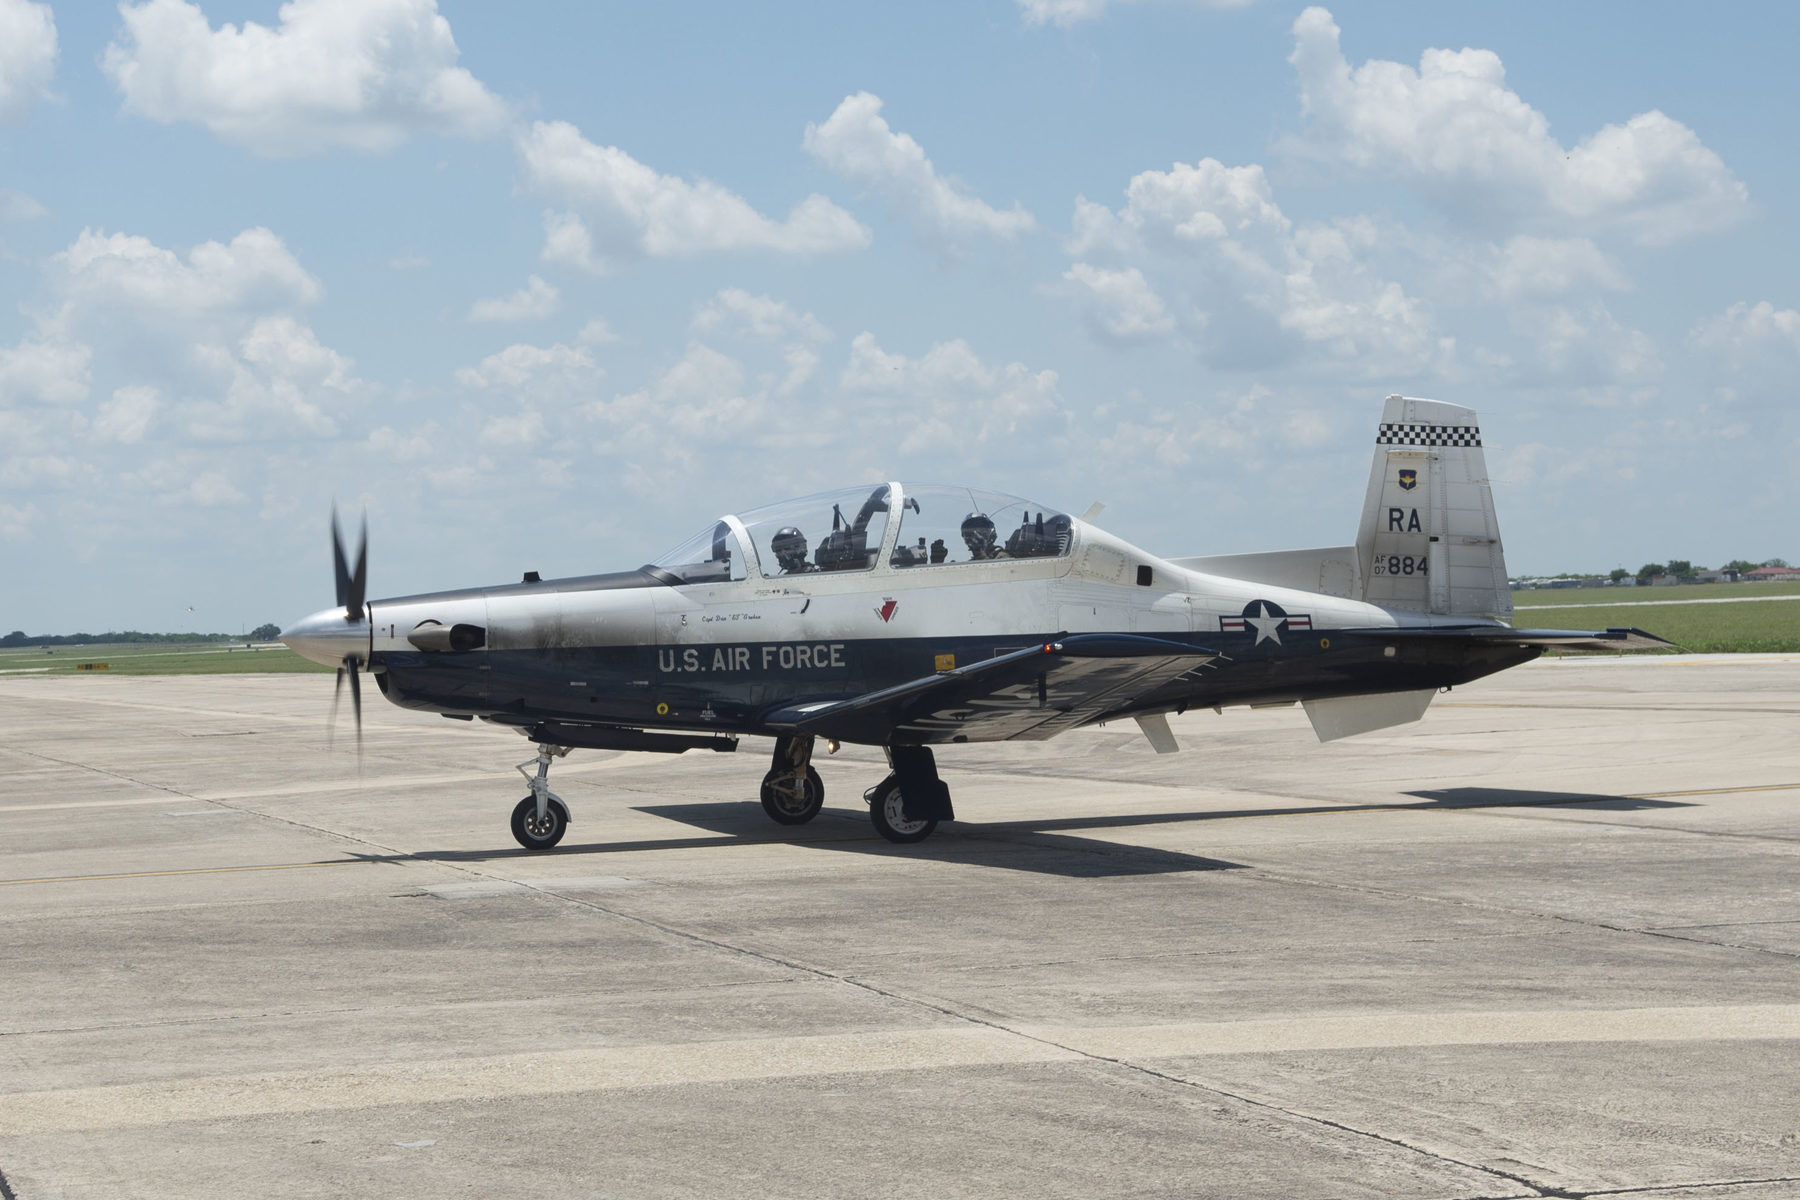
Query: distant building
(1774, 575)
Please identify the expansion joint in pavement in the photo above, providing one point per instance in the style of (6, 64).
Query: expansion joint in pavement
(944, 1010)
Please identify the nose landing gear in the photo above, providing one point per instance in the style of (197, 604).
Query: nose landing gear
(792, 792)
(540, 819)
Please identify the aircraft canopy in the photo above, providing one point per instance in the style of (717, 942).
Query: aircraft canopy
(938, 525)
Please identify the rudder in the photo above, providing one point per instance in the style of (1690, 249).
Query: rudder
(1429, 540)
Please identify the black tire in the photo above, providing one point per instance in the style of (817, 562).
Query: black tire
(885, 810)
(535, 836)
(796, 805)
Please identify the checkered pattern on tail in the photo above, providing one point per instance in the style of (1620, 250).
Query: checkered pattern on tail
(1397, 434)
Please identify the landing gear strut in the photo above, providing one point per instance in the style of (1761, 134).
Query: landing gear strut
(541, 819)
(907, 805)
(792, 792)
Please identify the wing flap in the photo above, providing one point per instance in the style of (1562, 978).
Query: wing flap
(1028, 694)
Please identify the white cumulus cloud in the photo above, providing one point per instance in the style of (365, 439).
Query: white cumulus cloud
(210, 344)
(533, 302)
(1536, 266)
(1455, 129)
(27, 56)
(761, 317)
(127, 416)
(627, 209)
(856, 143)
(362, 74)
(1745, 330)
(566, 372)
(1203, 253)
(952, 404)
(47, 370)
(1120, 306)
(254, 270)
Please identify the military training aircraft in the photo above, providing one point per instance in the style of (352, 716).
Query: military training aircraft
(909, 617)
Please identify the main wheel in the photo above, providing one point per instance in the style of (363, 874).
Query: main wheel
(791, 801)
(888, 812)
(536, 834)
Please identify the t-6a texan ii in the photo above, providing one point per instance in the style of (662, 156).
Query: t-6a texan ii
(914, 616)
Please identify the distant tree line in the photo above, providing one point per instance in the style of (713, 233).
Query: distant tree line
(1681, 568)
(18, 637)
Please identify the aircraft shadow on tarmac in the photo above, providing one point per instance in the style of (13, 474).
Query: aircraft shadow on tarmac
(1041, 846)
(1482, 797)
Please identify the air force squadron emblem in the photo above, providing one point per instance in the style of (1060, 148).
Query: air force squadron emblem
(1268, 619)
(886, 611)
(1409, 479)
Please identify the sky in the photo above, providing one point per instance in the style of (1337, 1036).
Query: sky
(541, 286)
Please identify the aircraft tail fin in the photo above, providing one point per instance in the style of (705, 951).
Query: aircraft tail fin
(1429, 540)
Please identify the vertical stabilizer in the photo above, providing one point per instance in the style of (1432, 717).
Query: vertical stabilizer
(1429, 541)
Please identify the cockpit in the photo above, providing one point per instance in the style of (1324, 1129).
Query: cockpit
(933, 525)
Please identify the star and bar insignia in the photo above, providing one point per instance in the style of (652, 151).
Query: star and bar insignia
(1268, 619)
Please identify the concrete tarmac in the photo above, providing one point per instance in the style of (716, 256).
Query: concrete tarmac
(1546, 942)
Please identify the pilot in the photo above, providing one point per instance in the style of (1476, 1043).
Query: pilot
(979, 536)
(789, 545)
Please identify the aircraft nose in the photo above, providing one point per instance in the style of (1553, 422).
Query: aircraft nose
(328, 636)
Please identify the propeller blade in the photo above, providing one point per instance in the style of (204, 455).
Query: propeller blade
(337, 693)
(338, 565)
(355, 702)
(351, 585)
(359, 578)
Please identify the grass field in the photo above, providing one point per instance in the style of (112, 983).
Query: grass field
(1539, 597)
(139, 658)
(1718, 618)
(1738, 628)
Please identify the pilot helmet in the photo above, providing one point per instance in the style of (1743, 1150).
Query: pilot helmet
(978, 532)
(789, 545)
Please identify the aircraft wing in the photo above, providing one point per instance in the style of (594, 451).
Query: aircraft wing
(1560, 639)
(1029, 694)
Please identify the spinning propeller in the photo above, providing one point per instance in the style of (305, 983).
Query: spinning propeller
(339, 637)
(351, 588)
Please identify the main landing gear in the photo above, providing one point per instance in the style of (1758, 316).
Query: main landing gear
(541, 819)
(792, 792)
(907, 806)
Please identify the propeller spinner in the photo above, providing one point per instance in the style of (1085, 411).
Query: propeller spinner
(339, 637)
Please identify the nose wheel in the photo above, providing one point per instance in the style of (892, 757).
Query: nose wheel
(540, 832)
(792, 792)
(540, 819)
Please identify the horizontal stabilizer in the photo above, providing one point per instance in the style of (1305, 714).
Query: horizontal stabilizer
(1330, 571)
(1347, 716)
(1031, 694)
(1560, 639)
